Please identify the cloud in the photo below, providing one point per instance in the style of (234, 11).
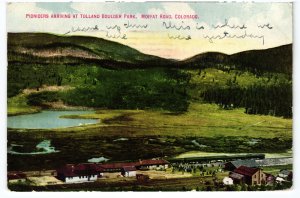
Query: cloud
(178, 8)
(56, 8)
(93, 7)
(278, 15)
(17, 21)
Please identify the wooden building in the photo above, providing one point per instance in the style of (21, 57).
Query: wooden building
(153, 164)
(128, 171)
(16, 177)
(250, 176)
(88, 172)
(79, 173)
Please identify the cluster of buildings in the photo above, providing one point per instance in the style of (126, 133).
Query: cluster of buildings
(247, 175)
(256, 176)
(88, 172)
(242, 171)
(249, 172)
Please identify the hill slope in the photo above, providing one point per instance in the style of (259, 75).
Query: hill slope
(278, 59)
(250, 79)
(50, 48)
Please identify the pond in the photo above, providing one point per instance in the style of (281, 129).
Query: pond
(44, 147)
(48, 120)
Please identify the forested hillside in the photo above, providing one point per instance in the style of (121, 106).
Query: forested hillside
(278, 59)
(105, 74)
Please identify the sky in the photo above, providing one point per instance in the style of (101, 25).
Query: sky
(266, 25)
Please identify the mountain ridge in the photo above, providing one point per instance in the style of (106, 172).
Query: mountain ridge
(92, 49)
(50, 48)
(278, 59)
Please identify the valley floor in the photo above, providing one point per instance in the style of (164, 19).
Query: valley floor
(141, 134)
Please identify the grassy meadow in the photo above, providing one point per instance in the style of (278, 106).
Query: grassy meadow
(204, 120)
(154, 133)
(18, 105)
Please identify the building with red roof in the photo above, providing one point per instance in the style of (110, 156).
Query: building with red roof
(128, 171)
(16, 177)
(141, 164)
(115, 167)
(79, 173)
(153, 164)
(85, 172)
(250, 176)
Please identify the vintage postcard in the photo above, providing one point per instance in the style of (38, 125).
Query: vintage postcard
(149, 96)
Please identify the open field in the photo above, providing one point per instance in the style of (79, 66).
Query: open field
(205, 120)
(139, 134)
(18, 105)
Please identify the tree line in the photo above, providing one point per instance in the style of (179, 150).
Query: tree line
(266, 99)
